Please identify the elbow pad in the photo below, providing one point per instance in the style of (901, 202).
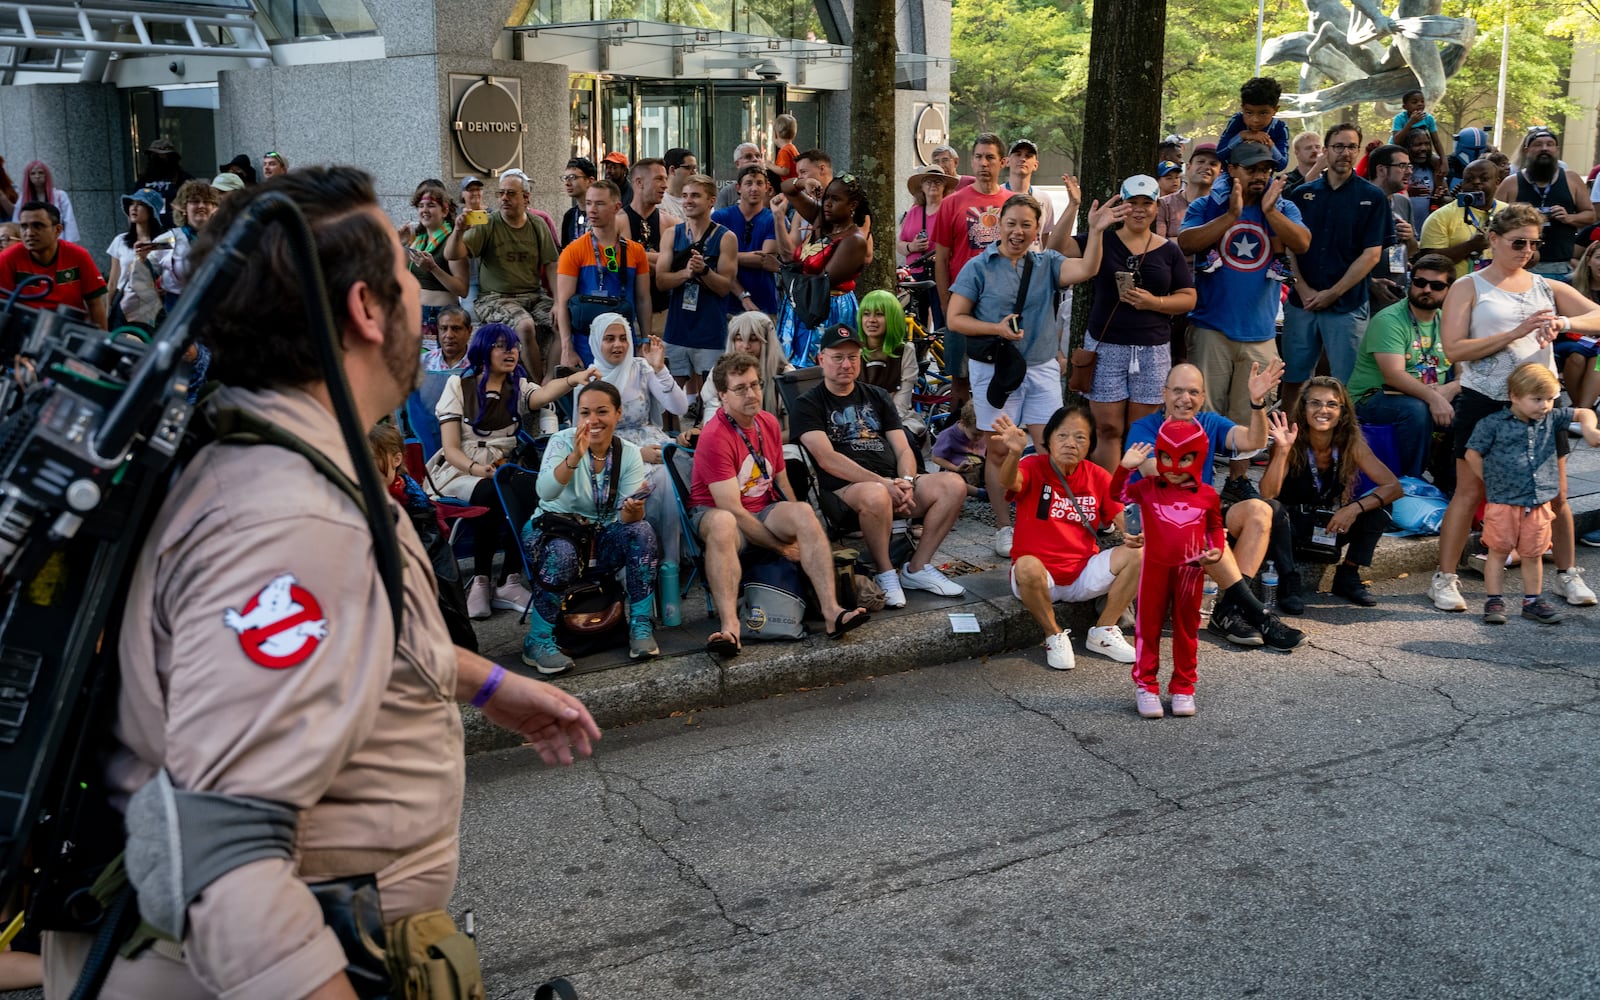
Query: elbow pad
(180, 842)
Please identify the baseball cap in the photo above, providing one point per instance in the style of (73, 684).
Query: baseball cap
(1026, 144)
(1140, 186)
(1174, 140)
(1537, 133)
(1166, 167)
(1248, 154)
(228, 182)
(615, 157)
(1203, 147)
(162, 146)
(469, 180)
(837, 335)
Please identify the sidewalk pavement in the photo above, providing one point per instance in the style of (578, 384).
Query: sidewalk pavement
(685, 678)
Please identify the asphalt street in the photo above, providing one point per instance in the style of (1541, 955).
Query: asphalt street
(1406, 807)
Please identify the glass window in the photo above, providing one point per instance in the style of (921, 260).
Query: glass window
(669, 117)
(580, 102)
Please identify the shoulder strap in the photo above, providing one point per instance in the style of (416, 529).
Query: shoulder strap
(1072, 498)
(234, 426)
(1022, 286)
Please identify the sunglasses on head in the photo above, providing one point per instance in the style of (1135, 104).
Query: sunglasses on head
(1432, 286)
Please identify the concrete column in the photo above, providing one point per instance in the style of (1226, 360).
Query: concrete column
(73, 128)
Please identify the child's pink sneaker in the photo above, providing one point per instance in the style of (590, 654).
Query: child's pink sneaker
(1148, 703)
(1183, 704)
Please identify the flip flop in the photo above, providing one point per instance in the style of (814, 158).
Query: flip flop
(841, 624)
(721, 645)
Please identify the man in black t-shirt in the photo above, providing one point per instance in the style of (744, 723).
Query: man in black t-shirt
(865, 463)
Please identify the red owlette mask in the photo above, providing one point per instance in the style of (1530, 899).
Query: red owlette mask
(1180, 447)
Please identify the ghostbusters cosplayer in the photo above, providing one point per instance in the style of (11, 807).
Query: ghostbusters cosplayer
(273, 735)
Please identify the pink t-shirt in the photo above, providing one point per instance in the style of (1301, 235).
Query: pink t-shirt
(722, 454)
(968, 221)
(916, 221)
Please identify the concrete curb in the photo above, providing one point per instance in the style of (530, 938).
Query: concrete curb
(892, 642)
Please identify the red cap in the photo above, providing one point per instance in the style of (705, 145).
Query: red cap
(615, 157)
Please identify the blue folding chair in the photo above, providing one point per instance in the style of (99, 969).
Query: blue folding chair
(518, 489)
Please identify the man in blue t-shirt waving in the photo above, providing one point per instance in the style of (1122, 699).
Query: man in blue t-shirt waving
(1236, 315)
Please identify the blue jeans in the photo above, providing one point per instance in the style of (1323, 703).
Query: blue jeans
(1307, 334)
(1412, 423)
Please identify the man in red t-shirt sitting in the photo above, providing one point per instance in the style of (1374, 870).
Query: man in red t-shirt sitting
(1062, 500)
(78, 282)
(737, 496)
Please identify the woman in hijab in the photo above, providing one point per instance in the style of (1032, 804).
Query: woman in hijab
(648, 390)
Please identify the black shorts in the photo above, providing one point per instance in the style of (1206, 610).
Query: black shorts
(1472, 407)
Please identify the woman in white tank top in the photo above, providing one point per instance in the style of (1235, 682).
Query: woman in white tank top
(1494, 320)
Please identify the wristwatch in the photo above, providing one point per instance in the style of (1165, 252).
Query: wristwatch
(744, 295)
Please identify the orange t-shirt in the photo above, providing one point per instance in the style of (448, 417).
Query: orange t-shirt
(785, 160)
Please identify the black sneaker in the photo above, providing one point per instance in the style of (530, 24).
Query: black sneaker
(1348, 585)
(1236, 630)
(1542, 612)
(1280, 636)
(1290, 602)
(1238, 488)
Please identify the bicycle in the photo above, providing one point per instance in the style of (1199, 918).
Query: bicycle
(931, 396)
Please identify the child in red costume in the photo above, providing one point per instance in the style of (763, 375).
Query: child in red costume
(1183, 533)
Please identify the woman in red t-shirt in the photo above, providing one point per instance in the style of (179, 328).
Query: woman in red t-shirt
(1062, 502)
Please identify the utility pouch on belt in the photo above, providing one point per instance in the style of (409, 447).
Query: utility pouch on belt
(430, 960)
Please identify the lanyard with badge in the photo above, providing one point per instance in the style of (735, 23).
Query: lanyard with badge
(1476, 257)
(757, 454)
(1426, 357)
(1320, 535)
(614, 266)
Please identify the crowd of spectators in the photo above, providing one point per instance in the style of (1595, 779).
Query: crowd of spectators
(1334, 319)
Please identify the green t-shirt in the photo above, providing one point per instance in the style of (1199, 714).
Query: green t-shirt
(1395, 331)
(511, 260)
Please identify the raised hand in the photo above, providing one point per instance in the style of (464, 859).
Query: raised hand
(1136, 455)
(1274, 192)
(1014, 438)
(655, 352)
(1280, 430)
(1263, 382)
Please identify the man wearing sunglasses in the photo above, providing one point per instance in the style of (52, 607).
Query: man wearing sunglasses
(576, 178)
(599, 272)
(751, 222)
(682, 164)
(1402, 377)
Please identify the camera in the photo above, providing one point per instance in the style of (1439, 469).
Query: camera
(1472, 199)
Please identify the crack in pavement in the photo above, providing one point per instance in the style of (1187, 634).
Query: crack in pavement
(686, 870)
(1541, 835)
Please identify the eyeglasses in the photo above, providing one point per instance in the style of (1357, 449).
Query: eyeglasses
(570, 178)
(691, 167)
(745, 390)
(1343, 147)
(1519, 245)
(1433, 286)
(1323, 404)
(1402, 167)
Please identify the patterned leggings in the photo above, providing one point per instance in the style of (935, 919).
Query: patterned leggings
(617, 546)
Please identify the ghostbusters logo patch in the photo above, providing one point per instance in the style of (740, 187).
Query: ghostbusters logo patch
(280, 626)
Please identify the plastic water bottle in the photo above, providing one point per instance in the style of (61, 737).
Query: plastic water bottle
(1132, 522)
(668, 595)
(1269, 586)
(1208, 598)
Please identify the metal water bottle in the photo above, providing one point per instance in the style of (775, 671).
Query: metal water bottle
(1269, 586)
(668, 595)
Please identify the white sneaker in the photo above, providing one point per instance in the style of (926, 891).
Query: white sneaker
(1148, 703)
(1183, 704)
(513, 595)
(480, 599)
(1109, 641)
(930, 579)
(1569, 584)
(893, 595)
(549, 422)
(1002, 543)
(1058, 650)
(1445, 592)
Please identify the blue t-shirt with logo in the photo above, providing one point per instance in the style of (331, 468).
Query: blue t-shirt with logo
(1238, 298)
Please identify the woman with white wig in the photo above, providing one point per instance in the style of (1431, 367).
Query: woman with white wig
(648, 390)
(755, 334)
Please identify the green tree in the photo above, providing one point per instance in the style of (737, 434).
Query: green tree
(1021, 68)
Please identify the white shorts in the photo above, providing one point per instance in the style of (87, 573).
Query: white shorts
(1094, 581)
(1035, 401)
